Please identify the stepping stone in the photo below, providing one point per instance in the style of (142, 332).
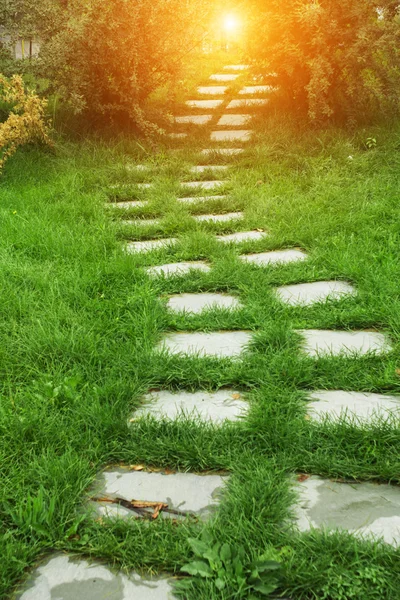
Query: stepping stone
(213, 90)
(196, 199)
(364, 509)
(236, 135)
(223, 77)
(129, 167)
(177, 136)
(178, 269)
(194, 119)
(278, 257)
(144, 186)
(249, 102)
(362, 405)
(222, 151)
(305, 294)
(142, 222)
(197, 303)
(149, 245)
(64, 577)
(184, 492)
(204, 168)
(256, 89)
(217, 407)
(236, 67)
(234, 120)
(204, 103)
(242, 236)
(319, 342)
(129, 204)
(234, 216)
(220, 344)
(203, 185)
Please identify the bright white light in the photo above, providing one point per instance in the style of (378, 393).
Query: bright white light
(231, 23)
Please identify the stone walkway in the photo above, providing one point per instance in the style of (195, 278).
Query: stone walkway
(362, 509)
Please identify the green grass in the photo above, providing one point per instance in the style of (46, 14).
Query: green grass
(80, 319)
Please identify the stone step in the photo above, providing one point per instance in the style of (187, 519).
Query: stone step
(257, 89)
(187, 493)
(177, 136)
(242, 236)
(320, 342)
(204, 185)
(340, 404)
(277, 257)
(236, 67)
(364, 509)
(249, 103)
(233, 216)
(210, 104)
(222, 151)
(205, 168)
(128, 204)
(196, 199)
(218, 344)
(234, 135)
(149, 245)
(140, 186)
(306, 294)
(223, 77)
(142, 222)
(178, 269)
(194, 119)
(233, 120)
(217, 407)
(212, 90)
(198, 303)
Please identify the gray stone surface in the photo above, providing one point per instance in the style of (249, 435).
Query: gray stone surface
(63, 577)
(236, 67)
(234, 120)
(365, 509)
(305, 294)
(135, 168)
(204, 185)
(197, 303)
(242, 236)
(178, 269)
(144, 186)
(177, 136)
(210, 104)
(142, 222)
(188, 492)
(247, 103)
(234, 135)
(223, 77)
(197, 199)
(222, 151)
(322, 342)
(256, 89)
(277, 257)
(129, 204)
(217, 407)
(148, 245)
(194, 119)
(233, 216)
(205, 168)
(363, 406)
(212, 90)
(221, 344)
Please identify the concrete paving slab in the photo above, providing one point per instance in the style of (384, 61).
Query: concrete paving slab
(364, 509)
(234, 135)
(222, 151)
(210, 104)
(220, 344)
(223, 77)
(256, 89)
(136, 168)
(217, 407)
(196, 199)
(129, 204)
(242, 236)
(197, 303)
(141, 222)
(363, 406)
(233, 216)
(178, 269)
(62, 577)
(149, 245)
(205, 168)
(324, 342)
(277, 257)
(194, 119)
(144, 186)
(236, 67)
(186, 492)
(233, 120)
(212, 90)
(204, 185)
(306, 294)
(247, 103)
(177, 136)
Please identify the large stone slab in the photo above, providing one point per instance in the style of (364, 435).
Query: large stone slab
(186, 493)
(247, 103)
(196, 199)
(221, 344)
(212, 90)
(339, 404)
(63, 577)
(223, 77)
(129, 204)
(365, 509)
(210, 104)
(233, 216)
(217, 407)
(204, 185)
(242, 236)
(305, 294)
(277, 257)
(194, 119)
(234, 135)
(256, 89)
(319, 342)
(197, 303)
(236, 67)
(178, 269)
(222, 151)
(205, 168)
(149, 245)
(234, 120)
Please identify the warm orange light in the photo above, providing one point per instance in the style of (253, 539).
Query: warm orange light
(231, 23)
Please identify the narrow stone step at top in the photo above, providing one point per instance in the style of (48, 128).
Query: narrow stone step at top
(340, 404)
(212, 90)
(178, 269)
(194, 119)
(141, 222)
(149, 245)
(234, 120)
(196, 199)
(205, 168)
(217, 407)
(247, 102)
(219, 344)
(257, 89)
(242, 236)
(223, 77)
(66, 577)
(183, 494)
(306, 294)
(204, 185)
(129, 204)
(177, 136)
(140, 186)
(198, 303)
(233, 216)
(236, 67)
(363, 509)
(222, 151)
(277, 257)
(210, 104)
(234, 135)
(320, 342)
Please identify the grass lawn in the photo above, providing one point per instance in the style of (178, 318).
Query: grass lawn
(80, 318)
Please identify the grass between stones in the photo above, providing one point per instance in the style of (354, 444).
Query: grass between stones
(81, 319)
